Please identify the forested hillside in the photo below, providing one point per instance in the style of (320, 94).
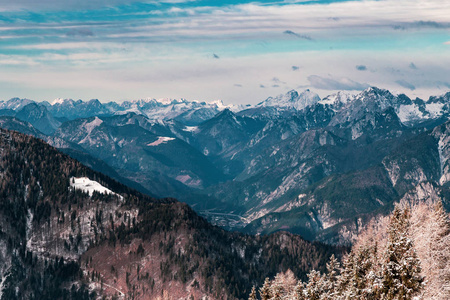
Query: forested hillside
(60, 239)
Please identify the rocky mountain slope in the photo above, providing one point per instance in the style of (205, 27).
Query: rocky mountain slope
(67, 232)
(317, 167)
(142, 152)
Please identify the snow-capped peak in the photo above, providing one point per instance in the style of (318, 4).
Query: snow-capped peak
(58, 101)
(292, 99)
(381, 97)
(165, 101)
(62, 101)
(337, 99)
(219, 104)
(15, 103)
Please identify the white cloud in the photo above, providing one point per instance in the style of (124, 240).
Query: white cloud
(329, 83)
(71, 4)
(64, 46)
(15, 60)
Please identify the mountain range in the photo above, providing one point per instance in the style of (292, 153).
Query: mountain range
(317, 167)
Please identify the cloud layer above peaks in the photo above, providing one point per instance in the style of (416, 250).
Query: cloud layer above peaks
(124, 49)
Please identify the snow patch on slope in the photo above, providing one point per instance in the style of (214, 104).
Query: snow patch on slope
(161, 140)
(2, 283)
(29, 228)
(339, 99)
(58, 101)
(435, 109)
(409, 112)
(291, 100)
(393, 170)
(89, 127)
(190, 128)
(89, 186)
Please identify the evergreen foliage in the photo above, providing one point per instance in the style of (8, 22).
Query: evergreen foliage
(401, 269)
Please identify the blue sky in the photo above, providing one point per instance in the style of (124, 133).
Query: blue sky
(237, 51)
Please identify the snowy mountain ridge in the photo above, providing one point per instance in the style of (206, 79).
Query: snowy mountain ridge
(193, 112)
(292, 99)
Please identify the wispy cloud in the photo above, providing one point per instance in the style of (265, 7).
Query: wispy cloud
(52, 5)
(421, 25)
(361, 68)
(278, 81)
(80, 32)
(335, 84)
(70, 46)
(300, 36)
(413, 66)
(431, 24)
(406, 84)
(444, 84)
(15, 60)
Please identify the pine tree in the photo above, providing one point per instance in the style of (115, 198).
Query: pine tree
(283, 285)
(314, 287)
(299, 291)
(330, 279)
(252, 295)
(265, 290)
(277, 290)
(437, 262)
(401, 270)
(346, 288)
(442, 220)
(367, 271)
(441, 251)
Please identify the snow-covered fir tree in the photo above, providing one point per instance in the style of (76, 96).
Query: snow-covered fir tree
(431, 233)
(401, 269)
(252, 295)
(266, 291)
(330, 280)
